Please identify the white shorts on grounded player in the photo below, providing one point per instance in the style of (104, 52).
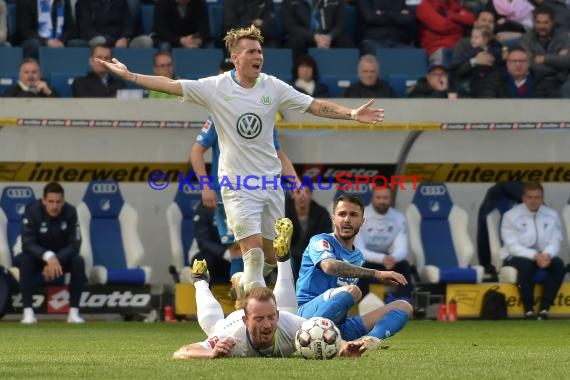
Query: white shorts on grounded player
(251, 212)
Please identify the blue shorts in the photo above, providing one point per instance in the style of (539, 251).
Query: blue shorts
(350, 328)
(226, 235)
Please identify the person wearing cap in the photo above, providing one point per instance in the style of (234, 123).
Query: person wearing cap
(434, 85)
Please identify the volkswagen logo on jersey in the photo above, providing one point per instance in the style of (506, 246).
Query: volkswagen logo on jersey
(249, 126)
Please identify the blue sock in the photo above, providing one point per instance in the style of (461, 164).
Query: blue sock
(336, 307)
(390, 324)
(236, 265)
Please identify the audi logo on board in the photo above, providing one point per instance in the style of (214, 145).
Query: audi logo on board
(432, 190)
(19, 192)
(105, 188)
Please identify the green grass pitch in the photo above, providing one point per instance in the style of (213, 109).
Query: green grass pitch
(423, 350)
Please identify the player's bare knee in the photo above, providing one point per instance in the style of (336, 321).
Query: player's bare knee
(354, 291)
(404, 306)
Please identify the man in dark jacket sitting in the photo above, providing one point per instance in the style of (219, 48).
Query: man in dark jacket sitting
(98, 83)
(369, 84)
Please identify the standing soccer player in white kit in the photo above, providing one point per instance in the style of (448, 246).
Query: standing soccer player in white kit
(243, 103)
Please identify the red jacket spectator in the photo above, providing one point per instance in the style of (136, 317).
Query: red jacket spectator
(442, 23)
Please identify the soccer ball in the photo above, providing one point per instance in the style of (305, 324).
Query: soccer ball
(318, 338)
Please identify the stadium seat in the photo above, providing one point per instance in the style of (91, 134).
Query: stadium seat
(338, 68)
(351, 24)
(147, 17)
(196, 63)
(180, 220)
(216, 16)
(404, 61)
(279, 63)
(110, 244)
(61, 66)
(399, 83)
(13, 203)
(277, 32)
(137, 60)
(439, 239)
(11, 21)
(9, 67)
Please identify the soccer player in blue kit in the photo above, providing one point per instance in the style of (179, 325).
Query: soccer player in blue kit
(330, 269)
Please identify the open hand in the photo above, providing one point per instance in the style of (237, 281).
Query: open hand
(368, 114)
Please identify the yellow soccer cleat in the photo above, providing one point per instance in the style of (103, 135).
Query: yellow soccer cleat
(282, 243)
(200, 271)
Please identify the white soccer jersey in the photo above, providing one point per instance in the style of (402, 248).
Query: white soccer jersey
(287, 327)
(245, 120)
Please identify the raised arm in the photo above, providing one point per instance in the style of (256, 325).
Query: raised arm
(151, 82)
(363, 114)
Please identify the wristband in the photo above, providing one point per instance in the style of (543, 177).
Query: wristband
(353, 114)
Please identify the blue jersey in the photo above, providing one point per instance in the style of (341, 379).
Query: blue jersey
(208, 138)
(312, 280)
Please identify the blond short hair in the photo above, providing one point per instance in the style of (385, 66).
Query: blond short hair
(235, 35)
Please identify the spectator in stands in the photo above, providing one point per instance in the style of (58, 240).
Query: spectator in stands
(211, 249)
(466, 60)
(434, 85)
(306, 77)
(50, 245)
(163, 66)
(309, 218)
(314, 23)
(475, 6)
(561, 11)
(369, 83)
(3, 24)
(384, 24)
(44, 23)
(98, 83)
(383, 240)
(517, 82)
(531, 234)
(109, 22)
(549, 51)
(30, 83)
(490, 54)
(181, 23)
(442, 23)
(514, 18)
(243, 13)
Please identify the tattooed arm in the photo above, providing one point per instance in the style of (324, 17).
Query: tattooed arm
(364, 114)
(339, 268)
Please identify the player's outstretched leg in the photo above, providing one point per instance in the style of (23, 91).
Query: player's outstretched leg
(209, 310)
(284, 286)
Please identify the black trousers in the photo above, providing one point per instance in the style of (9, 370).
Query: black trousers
(403, 267)
(29, 266)
(527, 269)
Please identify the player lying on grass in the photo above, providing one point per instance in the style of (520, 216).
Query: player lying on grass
(260, 329)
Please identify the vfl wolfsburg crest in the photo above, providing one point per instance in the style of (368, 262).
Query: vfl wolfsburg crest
(249, 126)
(266, 100)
